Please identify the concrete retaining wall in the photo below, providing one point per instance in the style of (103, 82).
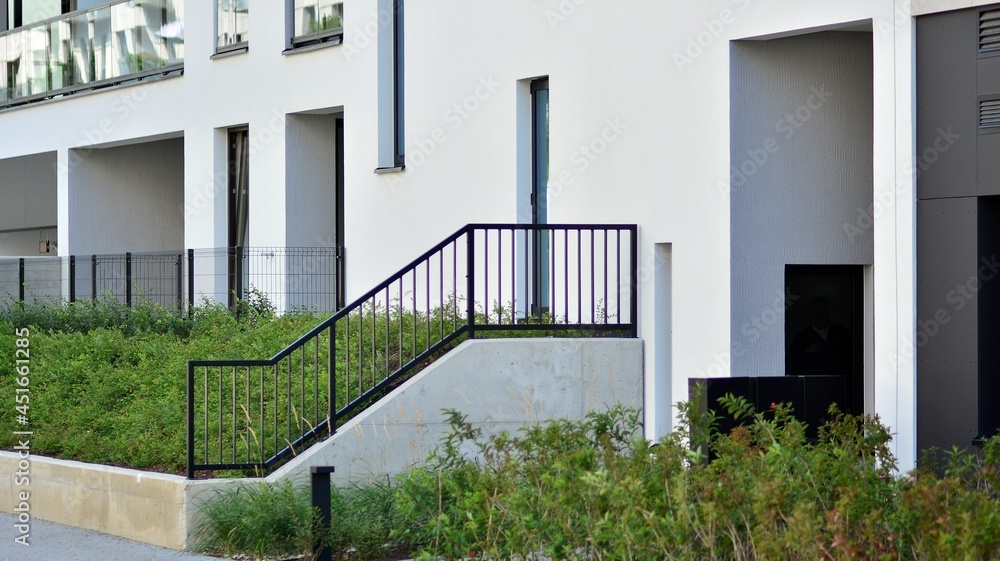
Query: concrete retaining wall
(138, 505)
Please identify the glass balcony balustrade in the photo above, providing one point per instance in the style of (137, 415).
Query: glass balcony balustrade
(91, 48)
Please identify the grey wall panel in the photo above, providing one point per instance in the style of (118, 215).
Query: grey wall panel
(988, 270)
(12, 196)
(947, 112)
(947, 327)
(28, 191)
(128, 198)
(801, 159)
(310, 180)
(988, 164)
(41, 207)
(988, 75)
(311, 206)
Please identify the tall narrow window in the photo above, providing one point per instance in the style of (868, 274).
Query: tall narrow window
(239, 211)
(233, 25)
(317, 21)
(540, 195)
(391, 137)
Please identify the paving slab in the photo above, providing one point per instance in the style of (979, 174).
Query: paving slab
(55, 542)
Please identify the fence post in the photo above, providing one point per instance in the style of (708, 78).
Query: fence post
(128, 279)
(470, 274)
(190, 253)
(93, 278)
(20, 279)
(239, 274)
(319, 483)
(180, 284)
(72, 278)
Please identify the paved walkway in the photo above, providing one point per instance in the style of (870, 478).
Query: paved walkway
(54, 542)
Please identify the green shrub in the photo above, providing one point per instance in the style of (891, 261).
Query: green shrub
(108, 384)
(594, 490)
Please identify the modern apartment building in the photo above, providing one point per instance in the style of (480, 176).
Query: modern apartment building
(784, 161)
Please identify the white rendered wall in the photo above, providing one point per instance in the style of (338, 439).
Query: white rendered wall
(801, 143)
(639, 134)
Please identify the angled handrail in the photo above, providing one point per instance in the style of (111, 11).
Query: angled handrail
(255, 414)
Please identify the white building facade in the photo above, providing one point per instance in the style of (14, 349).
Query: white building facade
(749, 141)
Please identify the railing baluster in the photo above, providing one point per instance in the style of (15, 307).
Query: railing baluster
(260, 437)
(288, 399)
(220, 415)
(249, 420)
(618, 275)
(440, 295)
(486, 276)
(388, 322)
(207, 434)
(274, 368)
(566, 275)
(234, 415)
(500, 275)
(301, 417)
(316, 419)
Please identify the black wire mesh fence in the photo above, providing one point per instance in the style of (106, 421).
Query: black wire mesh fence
(291, 278)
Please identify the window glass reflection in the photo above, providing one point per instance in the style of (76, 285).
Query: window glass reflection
(318, 16)
(234, 18)
(111, 42)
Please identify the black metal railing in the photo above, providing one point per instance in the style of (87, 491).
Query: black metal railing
(492, 280)
(292, 278)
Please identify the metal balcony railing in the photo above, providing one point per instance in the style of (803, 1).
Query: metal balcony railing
(89, 49)
(485, 279)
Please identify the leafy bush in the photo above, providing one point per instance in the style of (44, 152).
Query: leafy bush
(596, 490)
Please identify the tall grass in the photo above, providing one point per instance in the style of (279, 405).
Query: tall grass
(275, 520)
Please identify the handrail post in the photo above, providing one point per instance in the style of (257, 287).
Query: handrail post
(190, 422)
(470, 274)
(634, 281)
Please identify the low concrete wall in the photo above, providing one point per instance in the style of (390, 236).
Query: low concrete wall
(500, 384)
(138, 505)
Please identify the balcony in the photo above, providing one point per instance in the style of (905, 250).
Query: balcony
(91, 49)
